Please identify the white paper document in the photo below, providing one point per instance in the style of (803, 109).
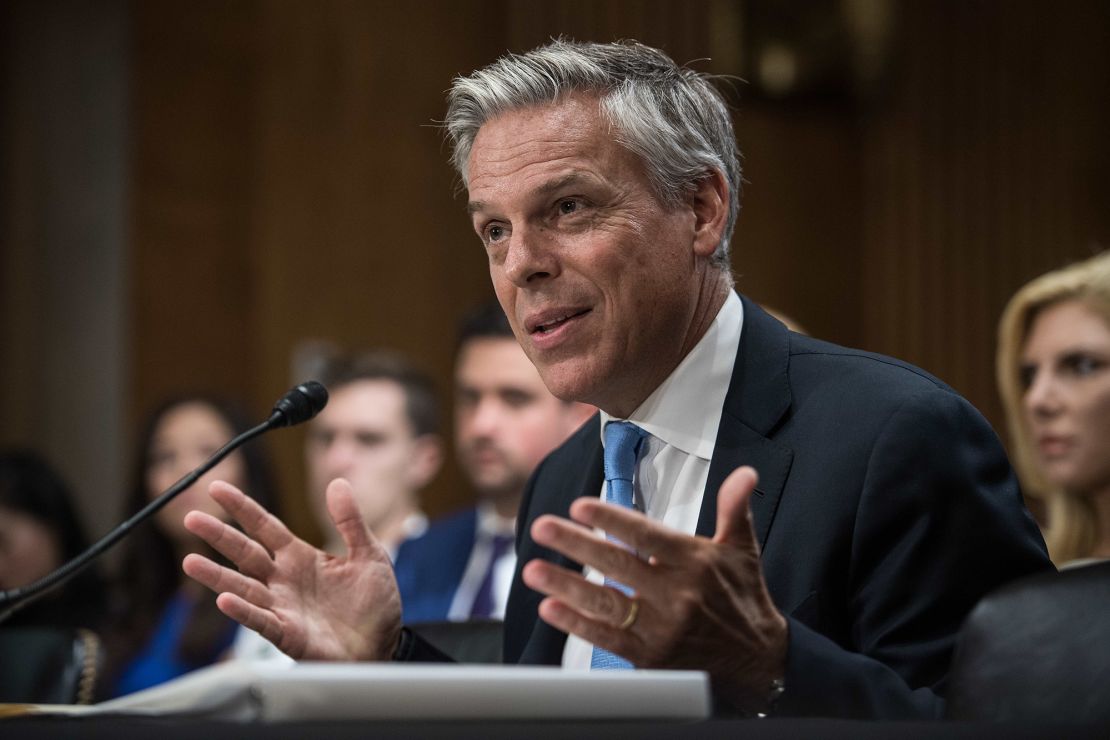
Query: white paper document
(268, 691)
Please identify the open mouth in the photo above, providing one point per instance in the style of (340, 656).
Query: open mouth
(549, 325)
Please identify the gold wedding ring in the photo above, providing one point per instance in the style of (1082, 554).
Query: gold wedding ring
(633, 612)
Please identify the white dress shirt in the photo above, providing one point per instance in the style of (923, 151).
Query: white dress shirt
(681, 418)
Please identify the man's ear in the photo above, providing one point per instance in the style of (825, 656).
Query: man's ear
(427, 459)
(709, 203)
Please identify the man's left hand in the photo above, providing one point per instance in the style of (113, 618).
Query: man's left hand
(698, 603)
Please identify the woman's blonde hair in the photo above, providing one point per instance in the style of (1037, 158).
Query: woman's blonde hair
(1071, 531)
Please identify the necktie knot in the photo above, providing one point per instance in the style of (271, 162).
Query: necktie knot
(622, 447)
(501, 544)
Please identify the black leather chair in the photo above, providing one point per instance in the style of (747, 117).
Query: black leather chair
(476, 641)
(1037, 650)
(49, 666)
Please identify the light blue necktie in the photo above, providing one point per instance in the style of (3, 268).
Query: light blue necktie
(623, 441)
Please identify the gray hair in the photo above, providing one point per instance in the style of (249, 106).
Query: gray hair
(672, 117)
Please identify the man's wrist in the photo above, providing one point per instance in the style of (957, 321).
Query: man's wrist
(755, 690)
(771, 698)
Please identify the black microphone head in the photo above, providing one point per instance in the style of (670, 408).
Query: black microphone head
(299, 404)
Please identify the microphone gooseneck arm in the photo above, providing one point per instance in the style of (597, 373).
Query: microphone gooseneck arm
(298, 405)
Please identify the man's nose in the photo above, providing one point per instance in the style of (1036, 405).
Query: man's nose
(531, 256)
(485, 419)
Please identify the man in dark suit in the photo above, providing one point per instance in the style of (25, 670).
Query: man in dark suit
(885, 508)
(602, 181)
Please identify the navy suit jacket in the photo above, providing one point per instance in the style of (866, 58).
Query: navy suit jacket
(886, 509)
(429, 568)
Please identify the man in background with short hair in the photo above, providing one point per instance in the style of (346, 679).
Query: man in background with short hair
(379, 431)
(506, 422)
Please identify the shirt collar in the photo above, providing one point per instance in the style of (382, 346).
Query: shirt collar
(492, 524)
(685, 410)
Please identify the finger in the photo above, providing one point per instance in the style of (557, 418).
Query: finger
(583, 546)
(255, 520)
(564, 618)
(204, 525)
(647, 537)
(221, 580)
(734, 515)
(344, 513)
(262, 621)
(249, 556)
(604, 603)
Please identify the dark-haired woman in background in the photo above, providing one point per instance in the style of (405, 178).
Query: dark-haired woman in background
(165, 625)
(39, 531)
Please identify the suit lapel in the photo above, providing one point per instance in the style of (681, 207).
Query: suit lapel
(587, 479)
(545, 645)
(758, 398)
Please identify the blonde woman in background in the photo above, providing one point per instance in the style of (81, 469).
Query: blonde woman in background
(1054, 376)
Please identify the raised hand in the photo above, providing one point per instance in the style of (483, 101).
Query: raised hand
(699, 603)
(311, 605)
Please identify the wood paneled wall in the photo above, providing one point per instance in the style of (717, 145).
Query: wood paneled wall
(291, 184)
(63, 233)
(194, 157)
(987, 164)
(357, 238)
(288, 183)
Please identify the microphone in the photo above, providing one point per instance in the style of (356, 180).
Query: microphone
(298, 405)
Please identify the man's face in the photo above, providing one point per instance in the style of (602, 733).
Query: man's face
(365, 436)
(506, 421)
(599, 279)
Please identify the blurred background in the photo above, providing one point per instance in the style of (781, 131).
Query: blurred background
(191, 193)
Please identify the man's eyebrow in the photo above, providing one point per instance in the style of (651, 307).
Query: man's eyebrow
(571, 178)
(547, 188)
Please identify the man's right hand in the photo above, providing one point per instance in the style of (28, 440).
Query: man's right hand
(311, 605)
